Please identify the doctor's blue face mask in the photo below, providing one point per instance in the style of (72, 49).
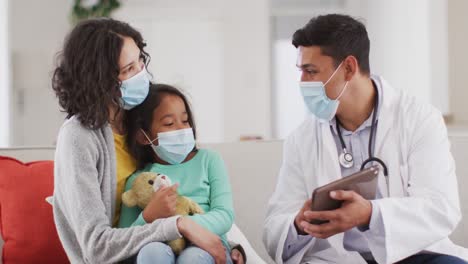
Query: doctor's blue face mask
(134, 90)
(316, 99)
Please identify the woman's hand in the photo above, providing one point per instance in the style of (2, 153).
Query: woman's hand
(202, 238)
(162, 204)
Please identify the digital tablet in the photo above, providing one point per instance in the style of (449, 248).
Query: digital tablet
(362, 182)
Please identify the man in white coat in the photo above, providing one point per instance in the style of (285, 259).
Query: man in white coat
(361, 115)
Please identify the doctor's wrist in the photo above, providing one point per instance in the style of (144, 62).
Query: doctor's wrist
(366, 216)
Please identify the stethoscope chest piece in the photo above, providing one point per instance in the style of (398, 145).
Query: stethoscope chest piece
(346, 159)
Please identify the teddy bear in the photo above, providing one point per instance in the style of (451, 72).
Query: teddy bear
(140, 195)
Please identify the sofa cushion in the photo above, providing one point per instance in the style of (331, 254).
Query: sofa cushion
(26, 219)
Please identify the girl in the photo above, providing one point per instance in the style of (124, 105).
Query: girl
(101, 73)
(161, 136)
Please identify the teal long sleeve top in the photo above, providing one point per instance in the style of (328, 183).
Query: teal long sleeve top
(203, 179)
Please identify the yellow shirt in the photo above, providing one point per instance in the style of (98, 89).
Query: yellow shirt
(126, 165)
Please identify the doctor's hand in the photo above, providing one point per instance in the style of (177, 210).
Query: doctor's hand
(355, 211)
(300, 217)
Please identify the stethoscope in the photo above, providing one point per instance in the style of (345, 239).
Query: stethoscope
(346, 158)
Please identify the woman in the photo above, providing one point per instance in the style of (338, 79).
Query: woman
(101, 73)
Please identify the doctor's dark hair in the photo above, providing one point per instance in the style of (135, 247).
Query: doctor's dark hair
(85, 80)
(338, 36)
(141, 117)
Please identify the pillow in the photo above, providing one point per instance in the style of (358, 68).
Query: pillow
(26, 219)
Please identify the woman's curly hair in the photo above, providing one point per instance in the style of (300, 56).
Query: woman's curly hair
(86, 78)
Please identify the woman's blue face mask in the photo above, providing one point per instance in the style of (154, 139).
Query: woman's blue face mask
(134, 90)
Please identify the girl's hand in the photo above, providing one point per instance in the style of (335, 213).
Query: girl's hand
(162, 204)
(202, 238)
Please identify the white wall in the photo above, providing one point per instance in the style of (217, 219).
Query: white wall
(247, 88)
(289, 110)
(439, 55)
(409, 45)
(187, 52)
(217, 51)
(458, 56)
(227, 57)
(37, 32)
(4, 74)
(409, 48)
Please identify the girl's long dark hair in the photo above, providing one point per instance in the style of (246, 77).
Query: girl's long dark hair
(141, 117)
(85, 80)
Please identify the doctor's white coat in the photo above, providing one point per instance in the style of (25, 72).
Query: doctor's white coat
(423, 209)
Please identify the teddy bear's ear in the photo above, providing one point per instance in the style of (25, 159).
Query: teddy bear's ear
(129, 198)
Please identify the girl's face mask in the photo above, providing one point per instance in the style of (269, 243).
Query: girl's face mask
(174, 146)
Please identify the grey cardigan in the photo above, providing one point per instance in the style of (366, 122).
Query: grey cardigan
(84, 199)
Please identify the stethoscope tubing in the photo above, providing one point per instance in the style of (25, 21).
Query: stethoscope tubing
(371, 157)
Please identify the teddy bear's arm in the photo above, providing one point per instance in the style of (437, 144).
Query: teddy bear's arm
(195, 208)
(129, 198)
